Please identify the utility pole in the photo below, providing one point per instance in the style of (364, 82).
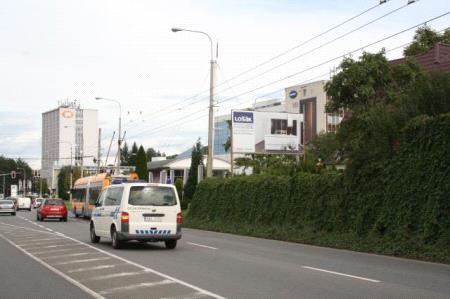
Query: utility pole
(120, 130)
(213, 62)
(99, 153)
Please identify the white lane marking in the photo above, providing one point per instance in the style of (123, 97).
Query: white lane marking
(200, 245)
(53, 251)
(56, 271)
(136, 286)
(66, 255)
(36, 244)
(91, 268)
(82, 261)
(115, 275)
(34, 241)
(127, 261)
(341, 274)
(52, 246)
(191, 296)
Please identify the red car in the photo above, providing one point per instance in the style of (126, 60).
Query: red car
(52, 209)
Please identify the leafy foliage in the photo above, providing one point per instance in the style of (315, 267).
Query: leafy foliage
(424, 39)
(141, 164)
(6, 166)
(196, 160)
(398, 206)
(64, 182)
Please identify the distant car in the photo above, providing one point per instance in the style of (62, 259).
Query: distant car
(137, 211)
(38, 202)
(7, 206)
(24, 203)
(52, 209)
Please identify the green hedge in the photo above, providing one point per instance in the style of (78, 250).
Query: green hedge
(398, 207)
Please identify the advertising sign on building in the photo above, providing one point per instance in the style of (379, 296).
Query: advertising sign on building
(266, 132)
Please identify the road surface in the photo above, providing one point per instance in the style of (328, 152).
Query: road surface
(47, 259)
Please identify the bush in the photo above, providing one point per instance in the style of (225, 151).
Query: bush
(399, 206)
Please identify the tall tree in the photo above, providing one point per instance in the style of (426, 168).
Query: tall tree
(141, 164)
(133, 155)
(192, 181)
(152, 153)
(424, 39)
(124, 155)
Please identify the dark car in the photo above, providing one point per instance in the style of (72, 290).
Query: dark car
(52, 209)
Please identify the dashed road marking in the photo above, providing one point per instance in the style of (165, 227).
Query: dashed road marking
(83, 261)
(166, 279)
(136, 286)
(200, 245)
(115, 275)
(67, 255)
(91, 268)
(341, 274)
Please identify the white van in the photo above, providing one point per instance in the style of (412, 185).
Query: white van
(137, 211)
(24, 203)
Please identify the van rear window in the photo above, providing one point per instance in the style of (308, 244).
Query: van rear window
(152, 196)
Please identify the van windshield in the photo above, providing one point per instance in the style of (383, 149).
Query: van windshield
(152, 196)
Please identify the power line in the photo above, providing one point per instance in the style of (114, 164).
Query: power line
(312, 67)
(270, 59)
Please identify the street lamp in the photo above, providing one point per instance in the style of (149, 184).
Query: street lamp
(209, 170)
(120, 129)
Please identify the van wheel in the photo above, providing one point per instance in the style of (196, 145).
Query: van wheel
(171, 244)
(116, 243)
(94, 237)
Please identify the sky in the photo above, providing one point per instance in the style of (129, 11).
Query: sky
(53, 50)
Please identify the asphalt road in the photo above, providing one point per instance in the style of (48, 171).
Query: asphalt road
(58, 256)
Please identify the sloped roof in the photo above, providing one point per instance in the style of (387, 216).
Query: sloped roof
(436, 58)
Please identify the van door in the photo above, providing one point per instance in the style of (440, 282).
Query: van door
(111, 207)
(153, 210)
(97, 215)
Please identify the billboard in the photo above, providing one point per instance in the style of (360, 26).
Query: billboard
(267, 132)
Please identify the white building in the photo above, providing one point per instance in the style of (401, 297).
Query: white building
(310, 100)
(69, 135)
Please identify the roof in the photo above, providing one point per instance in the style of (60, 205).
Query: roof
(185, 163)
(436, 58)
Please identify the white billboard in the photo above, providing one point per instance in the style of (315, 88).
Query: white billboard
(266, 132)
(13, 190)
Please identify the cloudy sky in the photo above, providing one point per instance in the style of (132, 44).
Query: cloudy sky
(54, 50)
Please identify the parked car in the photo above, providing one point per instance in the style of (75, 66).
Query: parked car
(7, 206)
(52, 209)
(137, 211)
(24, 203)
(37, 202)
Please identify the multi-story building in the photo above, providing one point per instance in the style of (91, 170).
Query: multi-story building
(310, 100)
(221, 127)
(69, 137)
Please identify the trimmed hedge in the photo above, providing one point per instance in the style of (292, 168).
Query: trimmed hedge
(398, 207)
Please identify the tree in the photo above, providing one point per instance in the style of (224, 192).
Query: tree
(44, 186)
(133, 155)
(325, 146)
(64, 182)
(179, 186)
(152, 153)
(196, 160)
(141, 164)
(124, 155)
(424, 39)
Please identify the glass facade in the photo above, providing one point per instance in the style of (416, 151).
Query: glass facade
(221, 134)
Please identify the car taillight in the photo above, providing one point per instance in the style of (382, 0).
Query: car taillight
(179, 218)
(124, 217)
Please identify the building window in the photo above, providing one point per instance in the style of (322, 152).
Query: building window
(292, 130)
(304, 92)
(278, 126)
